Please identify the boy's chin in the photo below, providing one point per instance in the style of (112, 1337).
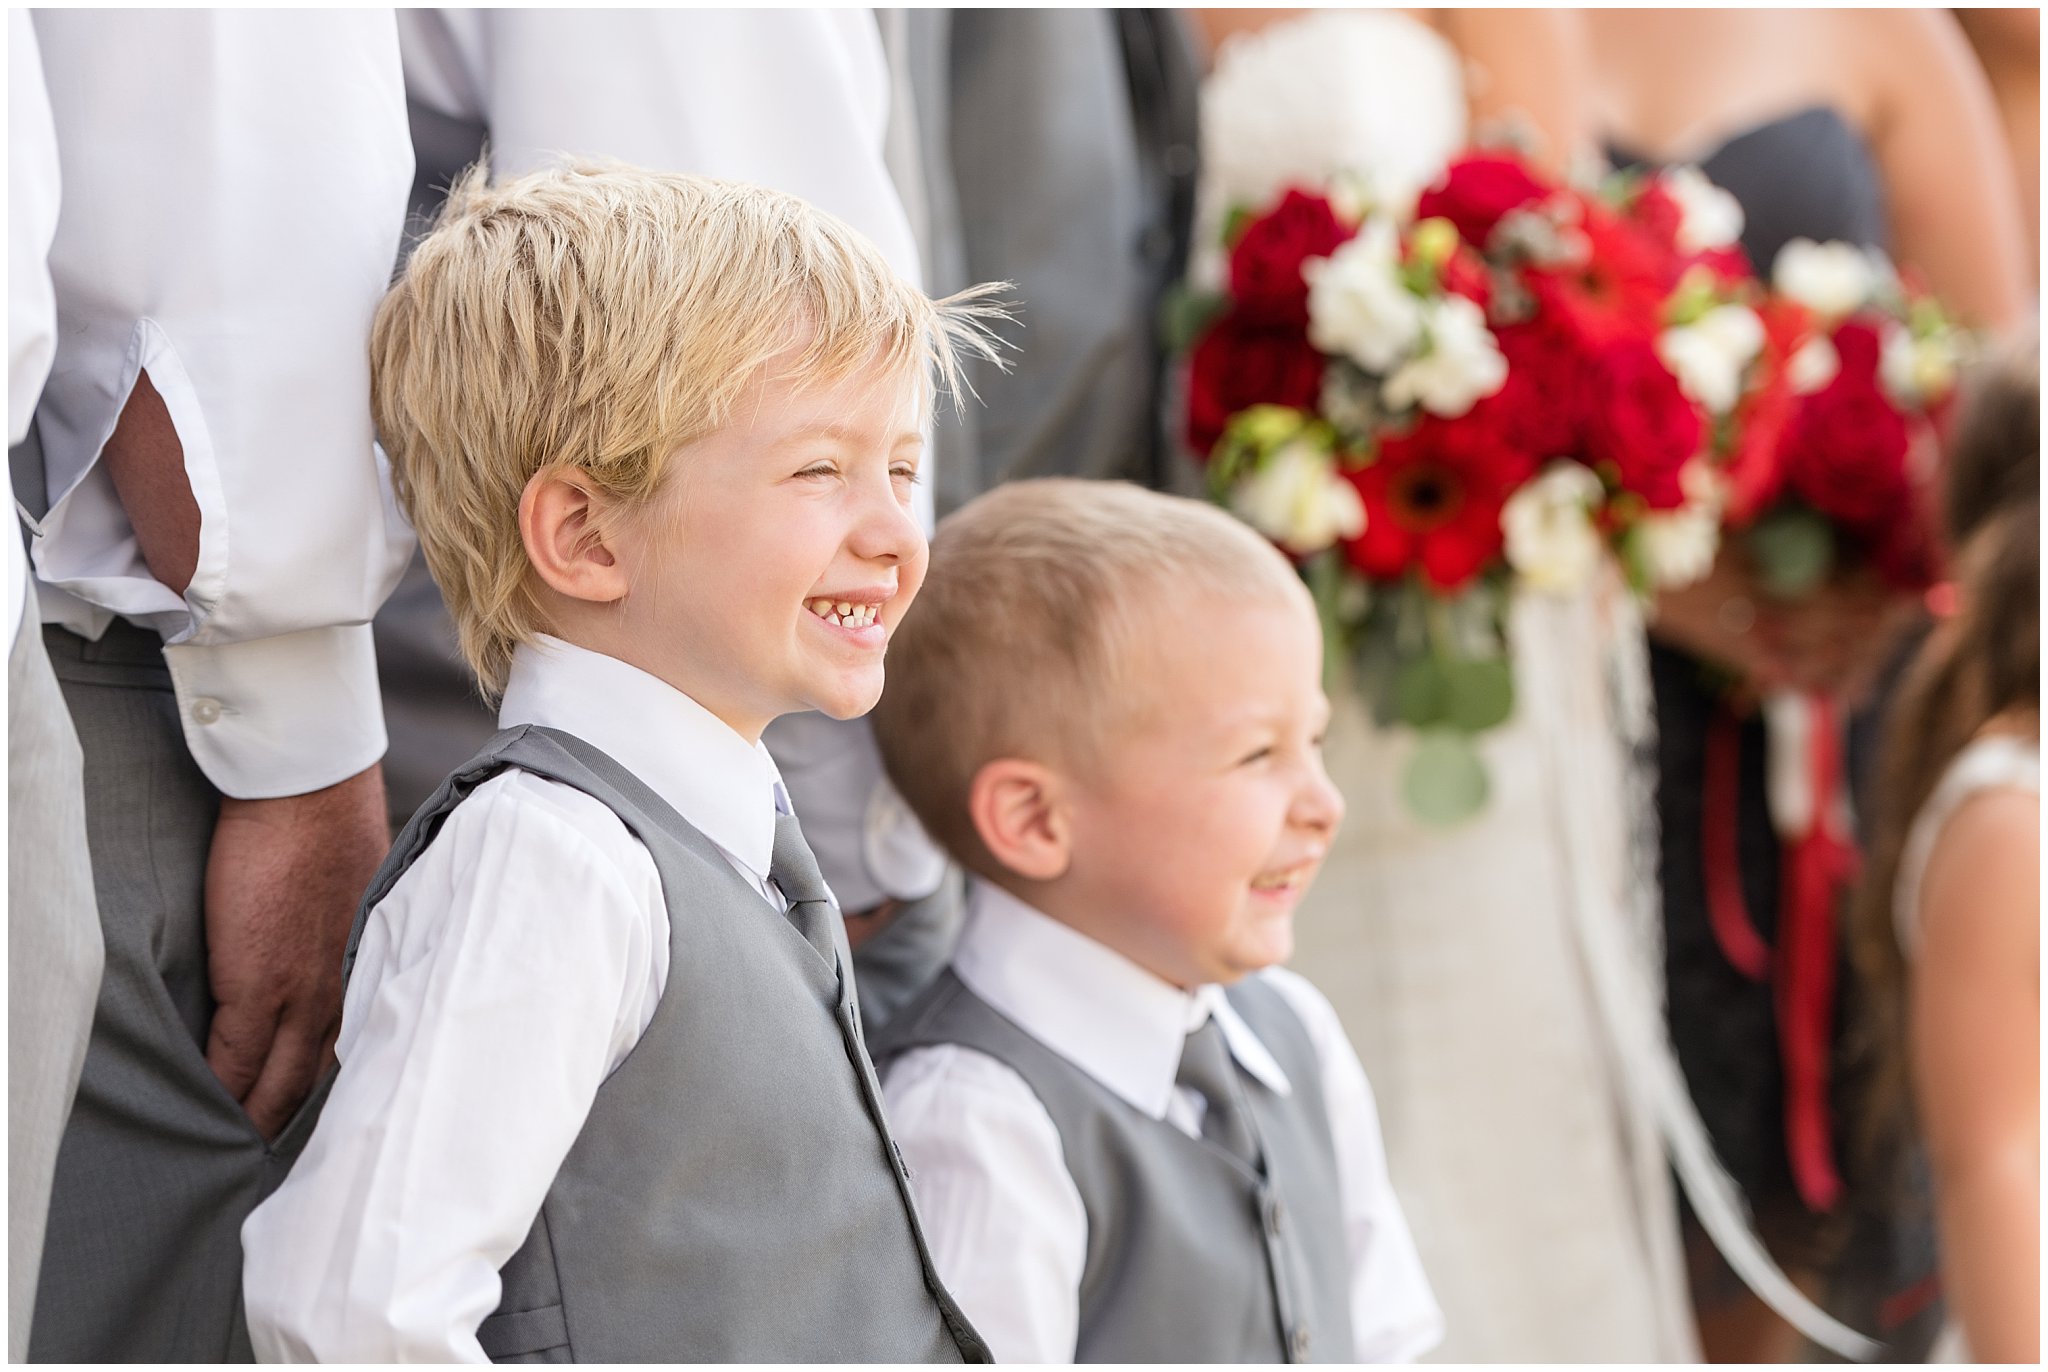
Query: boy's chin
(846, 699)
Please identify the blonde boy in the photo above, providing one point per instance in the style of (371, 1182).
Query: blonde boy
(603, 1092)
(1108, 706)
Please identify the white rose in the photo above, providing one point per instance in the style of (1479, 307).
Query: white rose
(1708, 217)
(1832, 279)
(1460, 363)
(1548, 527)
(1357, 304)
(1298, 499)
(1709, 355)
(1813, 366)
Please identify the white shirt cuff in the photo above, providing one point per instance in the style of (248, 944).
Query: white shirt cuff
(280, 716)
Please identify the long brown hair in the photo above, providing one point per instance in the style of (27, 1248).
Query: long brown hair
(1980, 664)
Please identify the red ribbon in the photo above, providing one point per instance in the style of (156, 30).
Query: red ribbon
(1727, 911)
(1818, 865)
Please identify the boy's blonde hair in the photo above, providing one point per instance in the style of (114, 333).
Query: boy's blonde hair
(599, 317)
(1023, 642)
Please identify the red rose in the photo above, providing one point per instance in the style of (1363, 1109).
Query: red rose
(1465, 274)
(1265, 263)
(1539, 408)
(1640, 424)
(1433, 499)
(1477, 192)
(1845, 451)
(1239, 364)
(1658, 214)
(1755, 461)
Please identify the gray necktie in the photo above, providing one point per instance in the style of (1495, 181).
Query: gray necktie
(795, 870)
(1206, 1067)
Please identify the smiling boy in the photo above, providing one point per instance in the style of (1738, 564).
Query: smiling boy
(604, 1094)
(1133, 1137)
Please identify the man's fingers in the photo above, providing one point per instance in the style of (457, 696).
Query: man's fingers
(238, 1044)
(294, 1064)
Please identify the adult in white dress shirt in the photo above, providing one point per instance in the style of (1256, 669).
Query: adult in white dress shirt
(321, 1263)
(213, 537)
(989, 1167)
(798, 100)
(53, 930)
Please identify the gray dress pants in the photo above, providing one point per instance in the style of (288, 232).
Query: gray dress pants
(53, 952)
(160, 1166)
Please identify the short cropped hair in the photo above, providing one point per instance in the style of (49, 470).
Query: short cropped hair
(1022, 642)
(599, 317)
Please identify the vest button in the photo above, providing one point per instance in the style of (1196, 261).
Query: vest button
(1299, 1345)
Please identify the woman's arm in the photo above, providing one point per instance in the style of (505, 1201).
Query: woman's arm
(1955, 213)
(1975, 1025)
(1534, 66)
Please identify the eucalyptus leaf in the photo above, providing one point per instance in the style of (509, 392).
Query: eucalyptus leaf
(1445, 782)
(1794, 550)
(1481, 694)
(1422, 692)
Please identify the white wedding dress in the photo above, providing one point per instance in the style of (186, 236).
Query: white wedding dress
(1502, 980)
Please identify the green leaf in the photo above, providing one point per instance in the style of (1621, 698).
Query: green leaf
(1185, 313)
(1445, 783)
(1794, 550)
(1481, 694)
(1235, 223)
(1422, 692)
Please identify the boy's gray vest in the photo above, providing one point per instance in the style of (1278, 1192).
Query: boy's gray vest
(1192, 1255)
(734, 1195)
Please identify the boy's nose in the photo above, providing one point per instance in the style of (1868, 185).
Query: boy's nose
(1319, 804)
(886, 530)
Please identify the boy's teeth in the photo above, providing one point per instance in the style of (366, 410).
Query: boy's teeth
(843, 613)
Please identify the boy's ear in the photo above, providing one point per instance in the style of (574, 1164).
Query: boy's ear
(559, 524)
(1019, 810)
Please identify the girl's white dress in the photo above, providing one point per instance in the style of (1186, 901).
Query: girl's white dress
(1996, 762)
(1501, 980)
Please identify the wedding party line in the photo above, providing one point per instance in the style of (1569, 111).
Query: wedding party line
(1060, 685)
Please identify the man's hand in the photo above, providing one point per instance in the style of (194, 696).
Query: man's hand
(282, 884)
(863, 925)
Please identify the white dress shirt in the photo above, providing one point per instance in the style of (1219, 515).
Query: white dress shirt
(795, 99)
(496, 987)
(234, 184)
(32, 190)
(1006, 1224)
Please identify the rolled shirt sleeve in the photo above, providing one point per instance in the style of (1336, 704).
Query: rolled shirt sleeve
(235, 183)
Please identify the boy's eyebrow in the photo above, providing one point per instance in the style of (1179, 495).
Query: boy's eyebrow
(840, 433)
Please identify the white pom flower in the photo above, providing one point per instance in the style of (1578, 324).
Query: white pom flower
(1709, 217)
(1357, 304)
(1709, 355)
(1284, 106)
(1459, 364)
(1813, 366)
(1831, 279)
(1548, 528)
(1298, 499)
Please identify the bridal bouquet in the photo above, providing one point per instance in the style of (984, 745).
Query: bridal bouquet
(1497, 390)
(1836, 468)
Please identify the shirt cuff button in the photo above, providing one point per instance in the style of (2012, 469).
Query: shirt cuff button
(205, 710)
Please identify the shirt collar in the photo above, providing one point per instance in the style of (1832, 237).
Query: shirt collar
(727, 788)
(1096, 1008)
